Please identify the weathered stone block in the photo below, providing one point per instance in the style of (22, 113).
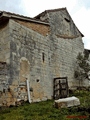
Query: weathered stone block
(67, 102)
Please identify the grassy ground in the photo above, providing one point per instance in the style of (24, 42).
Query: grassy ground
(46, 111)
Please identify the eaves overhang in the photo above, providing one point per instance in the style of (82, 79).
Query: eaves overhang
(4, 15)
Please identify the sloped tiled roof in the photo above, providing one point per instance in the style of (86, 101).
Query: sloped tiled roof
(35, 19)
(87, 50)
(20, 17)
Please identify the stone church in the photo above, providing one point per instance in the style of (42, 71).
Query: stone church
(34, 51)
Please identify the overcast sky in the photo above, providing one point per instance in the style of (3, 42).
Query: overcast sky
(78, 9)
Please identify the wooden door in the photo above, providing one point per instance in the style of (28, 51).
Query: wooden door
(60, 88)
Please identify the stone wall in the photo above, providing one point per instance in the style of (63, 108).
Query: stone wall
(66, 44)
(4, 43)
(29, 54)
(39, 59)
(4, 64)
(29, 59)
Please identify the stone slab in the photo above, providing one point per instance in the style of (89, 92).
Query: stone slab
(67, 102)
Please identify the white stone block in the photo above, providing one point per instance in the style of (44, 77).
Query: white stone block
(67, 102)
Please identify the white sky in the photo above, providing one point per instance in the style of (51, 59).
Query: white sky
(78, 9)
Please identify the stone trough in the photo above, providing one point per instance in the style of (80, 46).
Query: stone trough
(67, 102)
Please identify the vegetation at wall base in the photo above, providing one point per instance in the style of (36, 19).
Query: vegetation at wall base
(46, 111)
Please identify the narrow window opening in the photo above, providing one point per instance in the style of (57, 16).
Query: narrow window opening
(43, 56)
(67, 19)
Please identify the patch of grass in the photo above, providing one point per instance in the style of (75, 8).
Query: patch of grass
(46, 110)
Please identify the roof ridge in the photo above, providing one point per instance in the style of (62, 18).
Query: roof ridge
(57, 9)
(50, 10)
